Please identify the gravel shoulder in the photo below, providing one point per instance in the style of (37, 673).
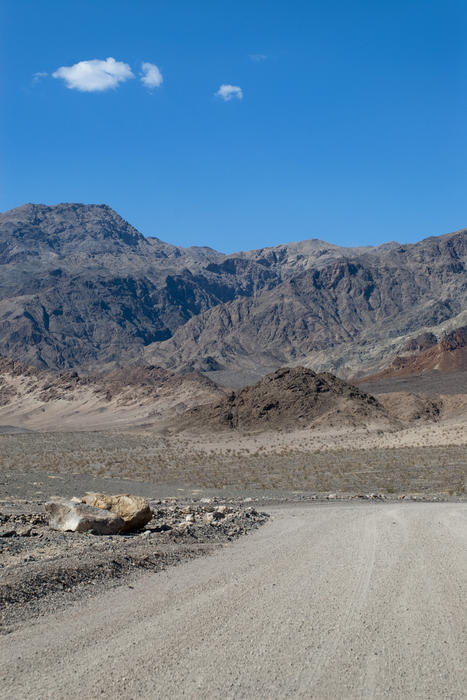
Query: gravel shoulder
(325, 601)
(42, 568)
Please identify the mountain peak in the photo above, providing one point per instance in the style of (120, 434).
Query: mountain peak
(67, 228)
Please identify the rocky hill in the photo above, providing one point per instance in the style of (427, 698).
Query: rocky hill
(289, 399)
(82, 289)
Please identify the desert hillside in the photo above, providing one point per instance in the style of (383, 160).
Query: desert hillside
(427, 355)
(35, 399)
(287, 400)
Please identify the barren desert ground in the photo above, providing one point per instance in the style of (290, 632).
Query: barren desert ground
(426, 458)
(339, 572)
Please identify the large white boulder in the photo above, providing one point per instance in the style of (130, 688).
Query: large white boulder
(134, 510)
(79, 517)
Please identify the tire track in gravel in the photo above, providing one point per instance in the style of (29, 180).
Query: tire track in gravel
(354, 603)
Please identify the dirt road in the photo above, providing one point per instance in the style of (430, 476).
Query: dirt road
(338, 601)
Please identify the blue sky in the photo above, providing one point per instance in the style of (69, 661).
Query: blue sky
(348, 124)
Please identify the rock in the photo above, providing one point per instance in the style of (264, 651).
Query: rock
(331, 496)
(221, 509)
(8, 533)
(24, 531)
(80, 517)
(134, 510)
(184, 525)
(190, 518)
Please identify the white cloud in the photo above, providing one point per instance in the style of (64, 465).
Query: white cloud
(229, 92)
(38, 76)
(258, 57)
(95, 75)
(151, 76)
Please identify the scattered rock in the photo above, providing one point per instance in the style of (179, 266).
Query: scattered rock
(52, 561)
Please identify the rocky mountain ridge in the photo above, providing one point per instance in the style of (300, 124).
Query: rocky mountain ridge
(347, 316)
(80, 288)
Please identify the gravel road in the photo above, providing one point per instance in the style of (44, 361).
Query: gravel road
(332, 601)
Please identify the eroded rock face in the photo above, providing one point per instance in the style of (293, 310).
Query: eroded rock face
(133, 510)
(339, 308)
(80, 517)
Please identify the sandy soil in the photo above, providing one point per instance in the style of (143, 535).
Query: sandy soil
(329, 438)
(346, 601)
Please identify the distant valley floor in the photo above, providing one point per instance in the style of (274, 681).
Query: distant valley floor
(425, 458)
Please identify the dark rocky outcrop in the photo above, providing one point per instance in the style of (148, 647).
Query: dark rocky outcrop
(289, 398)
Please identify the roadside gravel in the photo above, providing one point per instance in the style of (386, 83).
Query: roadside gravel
(38, 563)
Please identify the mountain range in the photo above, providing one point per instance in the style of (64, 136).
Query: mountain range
(80, 288)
